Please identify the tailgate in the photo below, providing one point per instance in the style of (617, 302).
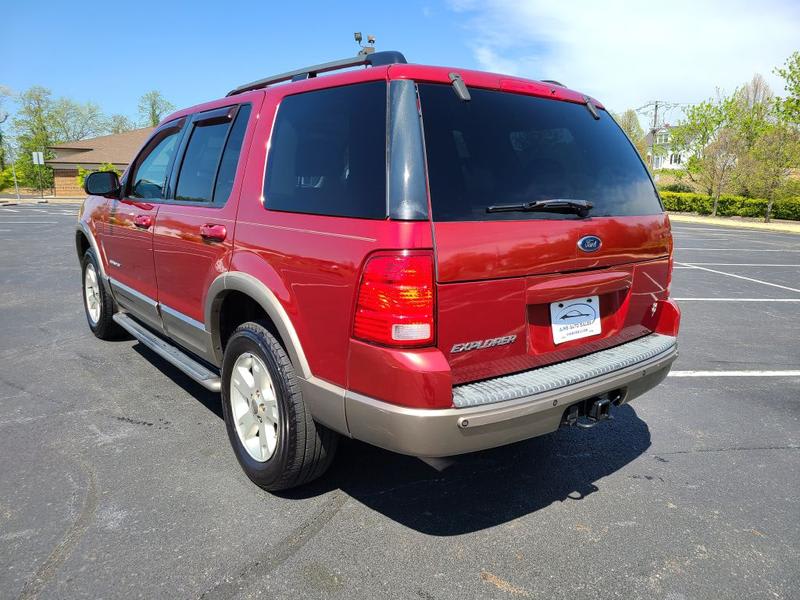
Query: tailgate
(495, 291)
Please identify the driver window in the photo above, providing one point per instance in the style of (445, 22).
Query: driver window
(150, 174)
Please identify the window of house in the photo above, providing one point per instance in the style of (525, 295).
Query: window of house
(328, 153)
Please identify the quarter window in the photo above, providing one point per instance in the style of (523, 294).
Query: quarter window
(328, 153)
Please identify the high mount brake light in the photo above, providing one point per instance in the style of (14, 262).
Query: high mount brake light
(396, 301)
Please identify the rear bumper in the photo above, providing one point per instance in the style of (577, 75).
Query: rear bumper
(447, 432)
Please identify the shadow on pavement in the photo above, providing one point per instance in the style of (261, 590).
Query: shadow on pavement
(486, 488)
(478, 490)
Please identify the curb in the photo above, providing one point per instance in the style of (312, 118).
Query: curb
(781, 227)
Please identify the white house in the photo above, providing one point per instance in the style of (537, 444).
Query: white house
(665, 156)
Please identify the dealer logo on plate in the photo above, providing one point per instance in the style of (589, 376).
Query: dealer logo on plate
(575, 319)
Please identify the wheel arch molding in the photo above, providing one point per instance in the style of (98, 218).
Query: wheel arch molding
(255, 289)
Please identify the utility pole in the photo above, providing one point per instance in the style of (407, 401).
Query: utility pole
(655, 106)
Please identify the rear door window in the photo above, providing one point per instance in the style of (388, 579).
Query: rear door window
(328, 153)
(504, 148)
(209, 162)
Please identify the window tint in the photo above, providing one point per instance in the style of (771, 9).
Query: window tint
(328, 153)
(230, 156)
(150, 174)
(503, 148)
(201, 159)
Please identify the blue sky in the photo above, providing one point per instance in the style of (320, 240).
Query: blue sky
(623, 53)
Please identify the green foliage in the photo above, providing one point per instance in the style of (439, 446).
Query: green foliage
(732, 206)
(33, 128)
(83, 173)
(790, 105)
(675, 187)
(629, 123)
(6, 179)
(120, 124)
(152, 107)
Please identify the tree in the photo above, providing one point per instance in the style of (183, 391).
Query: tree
(771, 160)
(119, 124)
(752, 106)
(629, 122)
(707, 133)
(33, 131)
(790, 105)
(70, 120)
(152, 107)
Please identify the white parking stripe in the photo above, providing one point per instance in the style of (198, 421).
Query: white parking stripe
(740, 265)
(783, 287)
(28, 222)
(741, 249)
(737, 299)
(734, 374)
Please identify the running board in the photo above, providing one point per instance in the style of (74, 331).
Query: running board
(172, 354)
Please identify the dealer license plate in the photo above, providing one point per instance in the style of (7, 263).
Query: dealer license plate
(575, 319)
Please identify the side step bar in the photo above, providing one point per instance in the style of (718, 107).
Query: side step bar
(172, 354)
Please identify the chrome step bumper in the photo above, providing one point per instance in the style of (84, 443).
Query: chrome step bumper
(450, 431)
(571, 372)
(172, 354)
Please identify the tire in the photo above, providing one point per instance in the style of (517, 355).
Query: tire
(98, 305)
(277, 443)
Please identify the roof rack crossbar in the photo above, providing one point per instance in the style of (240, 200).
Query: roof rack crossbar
(375, 59)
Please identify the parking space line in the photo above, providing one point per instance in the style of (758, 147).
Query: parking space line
(783, 287)
(739, 265)
(737, 299)
(734, 374)
(28, 222)
(742, 249)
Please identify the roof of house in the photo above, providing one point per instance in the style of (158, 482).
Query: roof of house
(117, 149)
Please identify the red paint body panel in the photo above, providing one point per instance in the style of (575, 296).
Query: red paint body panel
(129, 246)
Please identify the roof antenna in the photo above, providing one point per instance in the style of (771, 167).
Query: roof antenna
(365, 49)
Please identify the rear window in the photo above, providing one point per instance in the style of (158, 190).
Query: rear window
(503, 148)
(328, 153)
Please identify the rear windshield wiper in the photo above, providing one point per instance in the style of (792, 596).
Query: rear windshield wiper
(556, 205)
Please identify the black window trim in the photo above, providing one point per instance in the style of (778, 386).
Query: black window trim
(158, 135)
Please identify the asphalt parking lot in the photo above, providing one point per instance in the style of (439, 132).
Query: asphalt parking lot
(116, 478)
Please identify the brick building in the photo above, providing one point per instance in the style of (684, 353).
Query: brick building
(117, 149)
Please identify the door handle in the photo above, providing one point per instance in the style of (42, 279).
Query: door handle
(143, 221)
(213, 233)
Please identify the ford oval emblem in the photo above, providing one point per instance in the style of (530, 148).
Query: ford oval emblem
(590, 243)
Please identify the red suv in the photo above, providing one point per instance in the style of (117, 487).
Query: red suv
(429, 260)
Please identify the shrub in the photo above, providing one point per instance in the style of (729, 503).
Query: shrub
(675, 187)
(82, 173)
(731, 206)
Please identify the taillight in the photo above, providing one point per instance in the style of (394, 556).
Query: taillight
(395, 300)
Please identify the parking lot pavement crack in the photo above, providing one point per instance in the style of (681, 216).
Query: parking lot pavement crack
(731, 449)
(71, 537)
(279, 553)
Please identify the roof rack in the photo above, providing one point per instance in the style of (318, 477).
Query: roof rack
(374, 59)
(553, 81)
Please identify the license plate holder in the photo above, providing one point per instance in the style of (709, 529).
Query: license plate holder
(575, 319)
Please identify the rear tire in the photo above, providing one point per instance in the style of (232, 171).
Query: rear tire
(97, 302)
(274, 438)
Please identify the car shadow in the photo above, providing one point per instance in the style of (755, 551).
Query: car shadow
(208, 399)
(487, 488)
(476, 491)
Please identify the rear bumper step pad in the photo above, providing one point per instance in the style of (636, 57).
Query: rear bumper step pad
(571, 372)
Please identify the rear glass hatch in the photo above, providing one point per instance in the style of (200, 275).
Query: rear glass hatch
(550, 239)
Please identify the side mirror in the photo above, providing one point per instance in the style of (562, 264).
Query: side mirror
(102, 183)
